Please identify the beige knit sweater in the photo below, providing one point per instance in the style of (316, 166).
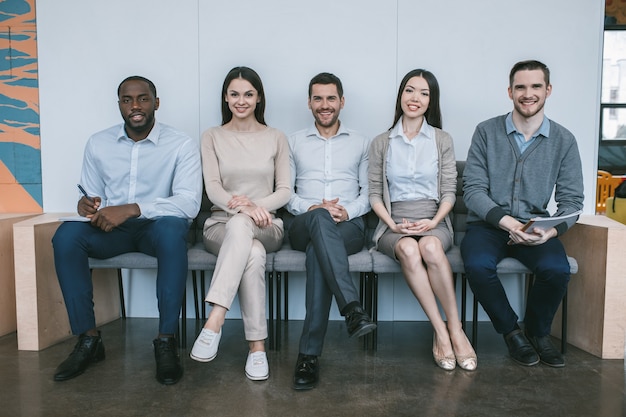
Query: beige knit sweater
(254, 164)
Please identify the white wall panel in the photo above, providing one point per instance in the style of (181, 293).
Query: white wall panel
(186, 48)
(85, 50)
(289, 42)
(471, 47)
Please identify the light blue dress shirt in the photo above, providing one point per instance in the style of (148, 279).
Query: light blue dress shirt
(161, 173)
(328, 169)
(412, 165)
(520, 139)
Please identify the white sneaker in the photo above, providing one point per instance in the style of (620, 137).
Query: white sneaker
(205, 347)
(257, 368)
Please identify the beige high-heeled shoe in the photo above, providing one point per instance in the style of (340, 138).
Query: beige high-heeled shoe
(468, 362)
(447, 363)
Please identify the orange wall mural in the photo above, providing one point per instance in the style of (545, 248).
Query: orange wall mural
(615, 12)
(20, 145)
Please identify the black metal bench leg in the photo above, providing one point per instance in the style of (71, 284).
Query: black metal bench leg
(203, 290)
(183, 336)
(370, 297)
(564, 323)
(375, 311)
(120, 284)
(474, 322)
(286, 295)
(363, 299)
(362, 279)
(270, 326)
(279, 283)
(194, 283)
(463, 301)
(530, 280)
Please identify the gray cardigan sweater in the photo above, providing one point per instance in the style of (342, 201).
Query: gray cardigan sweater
(377, 174)
(500, 181)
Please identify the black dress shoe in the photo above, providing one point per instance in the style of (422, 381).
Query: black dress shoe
(168, 366)
(88, 349)
(358, 322)
(520, 348)
(307, 372)
(548, 354)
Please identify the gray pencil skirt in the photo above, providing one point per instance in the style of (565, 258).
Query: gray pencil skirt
(413, 211)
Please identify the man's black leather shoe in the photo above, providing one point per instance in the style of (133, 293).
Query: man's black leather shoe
(168, 366)
(548, 354)
(88, 349)
(307, 372)
(358, 322)
(520, 348)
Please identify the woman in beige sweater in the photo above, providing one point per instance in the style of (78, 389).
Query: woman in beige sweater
(246, 173)
(412, 184)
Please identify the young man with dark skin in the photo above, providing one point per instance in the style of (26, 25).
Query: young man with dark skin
(514, 164)
(143, 182)
(329, 176)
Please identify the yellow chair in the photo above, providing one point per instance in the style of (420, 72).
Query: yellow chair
(605, 189)
(620, 209)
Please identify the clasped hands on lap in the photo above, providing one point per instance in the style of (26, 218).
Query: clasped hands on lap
(414, 228)
(337, 211)
(261, 216)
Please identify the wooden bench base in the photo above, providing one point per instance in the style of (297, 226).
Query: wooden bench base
(41, 315)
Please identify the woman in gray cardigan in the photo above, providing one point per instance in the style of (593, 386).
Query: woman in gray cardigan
(412, 185)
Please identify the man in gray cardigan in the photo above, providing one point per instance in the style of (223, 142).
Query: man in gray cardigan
(514, 164)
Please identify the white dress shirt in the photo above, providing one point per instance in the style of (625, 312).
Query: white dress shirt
(412, 165)
(161, 173)
(328, 169)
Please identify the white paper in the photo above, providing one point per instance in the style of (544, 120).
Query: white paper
(74, 219)
(545, 223)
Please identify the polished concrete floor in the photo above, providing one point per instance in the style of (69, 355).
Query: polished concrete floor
(400, 379)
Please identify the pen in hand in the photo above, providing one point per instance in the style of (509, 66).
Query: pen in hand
(82, 190)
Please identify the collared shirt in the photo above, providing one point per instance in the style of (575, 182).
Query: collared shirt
(328, 169)
(412, 165)
(520, 139)
(161, 173)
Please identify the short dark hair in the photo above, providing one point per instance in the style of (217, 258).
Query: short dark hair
(151, 85)
(530, 65)
(433, 113)
(253, 78)
(326, 78)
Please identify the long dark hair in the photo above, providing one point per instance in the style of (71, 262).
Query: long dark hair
(433, 113)
(253, 78)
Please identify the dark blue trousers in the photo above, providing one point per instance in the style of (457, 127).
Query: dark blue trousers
(484, 246)
(327, 245)
(164, 237)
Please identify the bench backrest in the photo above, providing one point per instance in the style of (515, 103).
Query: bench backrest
(458, 215)
(459, 212)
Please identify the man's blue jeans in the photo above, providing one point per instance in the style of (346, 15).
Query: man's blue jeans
(164, 238)
(484, 246)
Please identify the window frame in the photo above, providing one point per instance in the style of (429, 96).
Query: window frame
(603, 105)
